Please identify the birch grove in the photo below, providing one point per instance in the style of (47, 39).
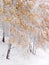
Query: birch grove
(25, 23)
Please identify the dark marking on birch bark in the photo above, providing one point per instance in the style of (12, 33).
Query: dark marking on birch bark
(8, 52)
(3, 40)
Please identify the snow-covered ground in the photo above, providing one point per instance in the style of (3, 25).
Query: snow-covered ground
(17, 58)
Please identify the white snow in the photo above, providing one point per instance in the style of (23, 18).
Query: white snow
(16, 57)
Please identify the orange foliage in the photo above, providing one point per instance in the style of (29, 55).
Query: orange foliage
(25, 19)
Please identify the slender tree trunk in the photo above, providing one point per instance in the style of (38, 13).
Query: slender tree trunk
(8, 52)
(32, 49)
(32, 46)
(3, 40)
